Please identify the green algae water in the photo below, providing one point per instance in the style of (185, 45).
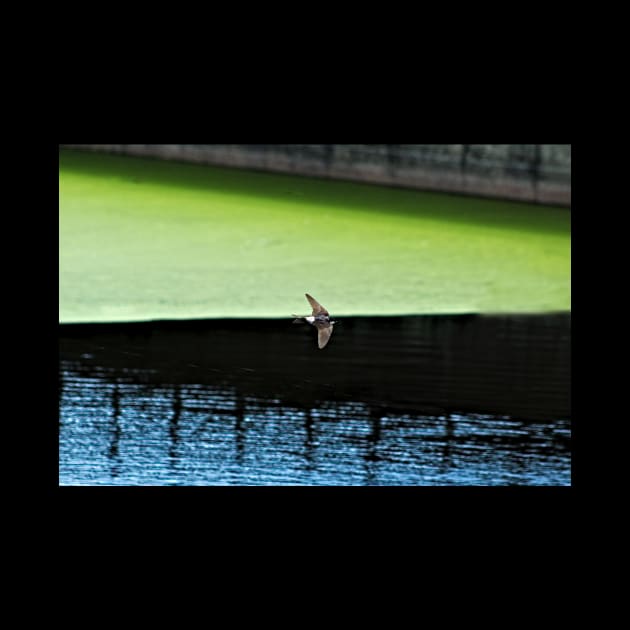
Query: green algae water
(144, 239)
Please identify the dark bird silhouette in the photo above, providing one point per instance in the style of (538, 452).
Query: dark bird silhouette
(320, 319)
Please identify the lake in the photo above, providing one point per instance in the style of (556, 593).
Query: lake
(420, 400)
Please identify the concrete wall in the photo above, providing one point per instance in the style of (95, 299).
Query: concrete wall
(539, 173)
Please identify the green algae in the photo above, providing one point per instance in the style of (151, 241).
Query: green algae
(148, 239)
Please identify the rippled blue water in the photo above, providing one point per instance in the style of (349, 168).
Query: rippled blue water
(424, 400)
(129, 433)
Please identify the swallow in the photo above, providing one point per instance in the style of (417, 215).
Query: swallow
(320, 319)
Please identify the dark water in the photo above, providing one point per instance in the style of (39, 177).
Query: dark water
(431, 400)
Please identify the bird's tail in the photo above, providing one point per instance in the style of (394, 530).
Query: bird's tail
(298, 319)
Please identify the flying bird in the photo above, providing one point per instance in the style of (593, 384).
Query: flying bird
(320, 319)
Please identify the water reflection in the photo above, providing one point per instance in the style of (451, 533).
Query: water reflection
(134, 434)
(116, 432)
(145, 409)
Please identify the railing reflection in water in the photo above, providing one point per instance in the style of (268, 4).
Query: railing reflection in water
(117, 431)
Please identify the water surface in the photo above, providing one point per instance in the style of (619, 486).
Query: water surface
(431, 400)
(150, 239)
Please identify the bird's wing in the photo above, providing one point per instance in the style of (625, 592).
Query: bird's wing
(317, 307)
(323, 335)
